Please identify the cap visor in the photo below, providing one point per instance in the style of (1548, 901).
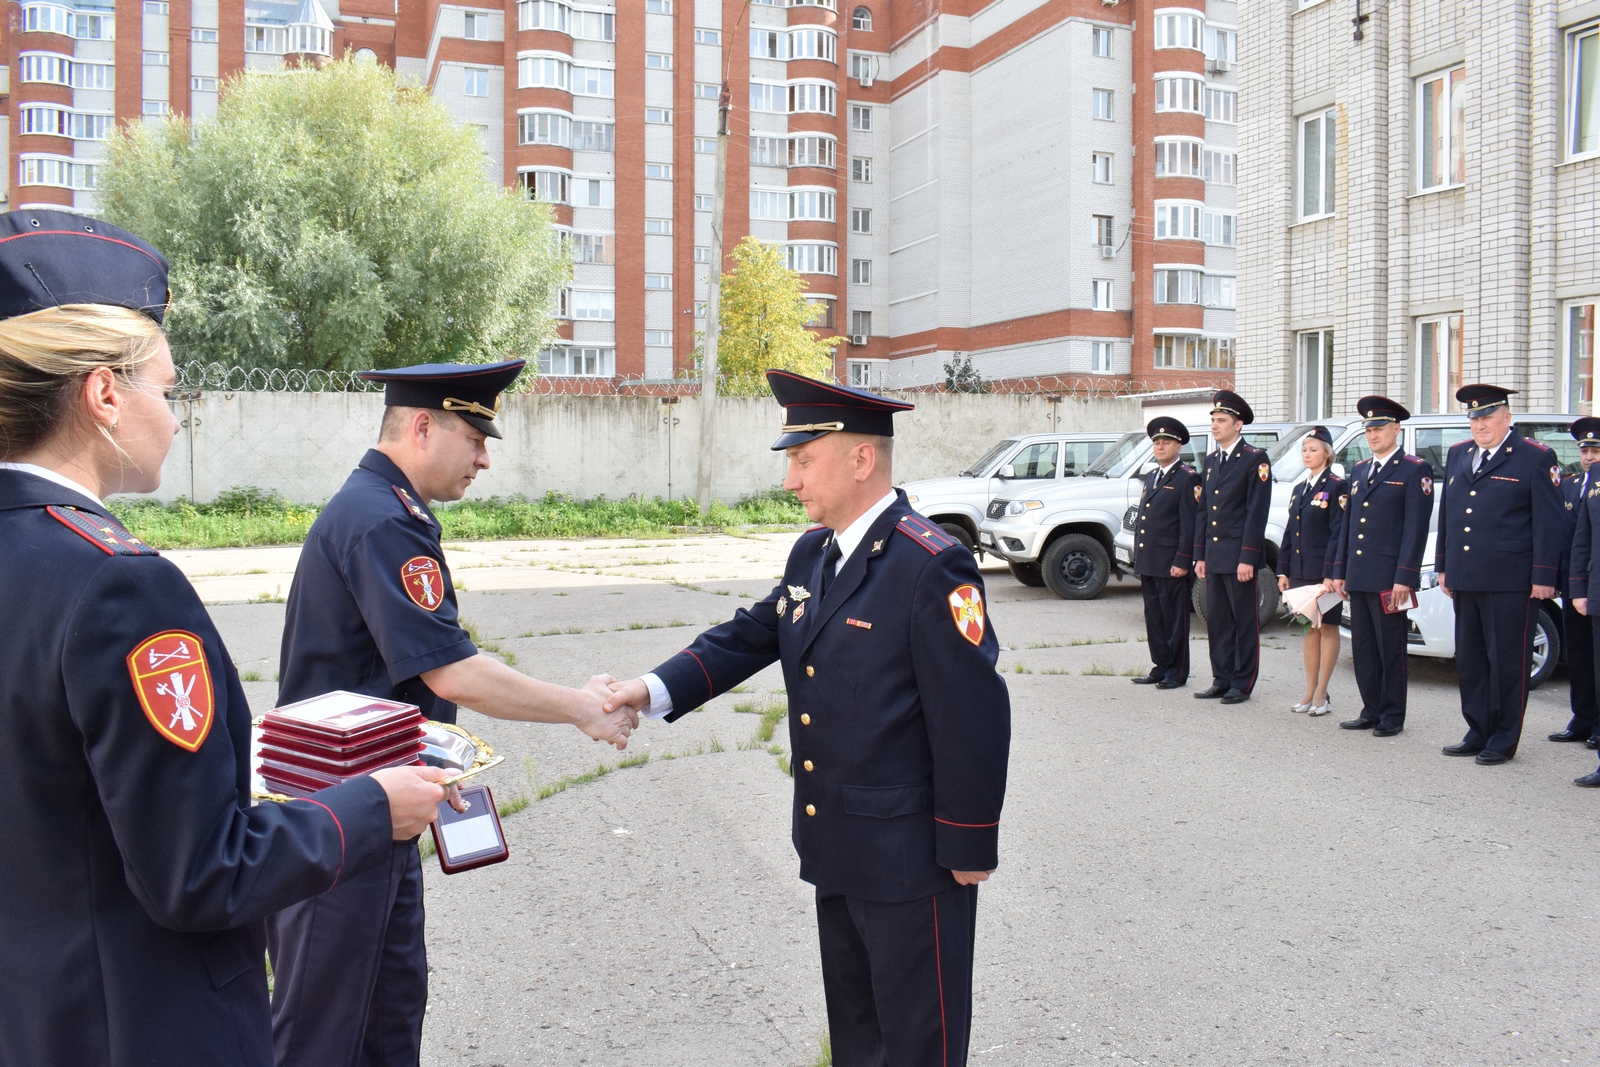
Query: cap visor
(483, 425)
(789, 440)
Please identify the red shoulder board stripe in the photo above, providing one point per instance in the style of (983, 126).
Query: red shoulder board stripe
(416, 510)
(106, 535)
(925, 534)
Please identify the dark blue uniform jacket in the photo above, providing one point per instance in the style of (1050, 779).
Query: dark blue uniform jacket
(1235, 496)
(1386, 527)
(137, 872)
(1501, 530)
(372, 606)
(1584, 568)
(1574, 490)
(1168, 510)
(1311, 529)
(900, 726)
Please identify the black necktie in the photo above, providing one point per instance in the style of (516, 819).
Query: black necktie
(830, 560)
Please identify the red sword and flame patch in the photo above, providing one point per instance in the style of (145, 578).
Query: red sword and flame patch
(423, 582)
(173, 682)
(966, 607)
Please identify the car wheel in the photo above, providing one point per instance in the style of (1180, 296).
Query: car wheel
(959, 532)
(1546, 649)
(1076, 567)
(1028, 574)
(1267, 596)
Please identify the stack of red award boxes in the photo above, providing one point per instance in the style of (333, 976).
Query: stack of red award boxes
(325, 740)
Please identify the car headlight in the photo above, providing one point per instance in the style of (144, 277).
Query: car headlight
(1017, 507)
(910, 499)
(1430, 579)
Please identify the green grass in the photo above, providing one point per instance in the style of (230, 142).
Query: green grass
(249, 676)
(246, 515)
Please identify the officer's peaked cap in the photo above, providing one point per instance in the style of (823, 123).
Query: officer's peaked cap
(1168, 427)
(1321, 433)
(1481, 399)
(471, 390)
(52, 258)
(1586, 431)
(812, 408)
(1226, 400)
(1380, 411)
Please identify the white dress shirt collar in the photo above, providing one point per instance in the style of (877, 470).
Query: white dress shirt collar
(51, 476)
(1227, 453)
(851, 535)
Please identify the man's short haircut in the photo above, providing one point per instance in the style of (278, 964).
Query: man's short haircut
(398, 417)
(883, 445)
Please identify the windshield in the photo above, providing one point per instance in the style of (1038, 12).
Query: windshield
(1285, 454)
(1119, 459)
(990, 458)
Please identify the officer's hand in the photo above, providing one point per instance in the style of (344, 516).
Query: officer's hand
(1580, 604)
(601, 685)
(1178, 572)
(589, 715)
(1283, 583)
(971, 877)
(1200, 570)
(413, 797)
(1443, 588)
(1336, 585)
(1542, 592)
(1247, 573)
(1402, 593)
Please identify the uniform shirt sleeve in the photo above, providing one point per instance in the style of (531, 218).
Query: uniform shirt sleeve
(411, 637)
(968, 713)
(660, 699)
(722, 657)
(198, 856)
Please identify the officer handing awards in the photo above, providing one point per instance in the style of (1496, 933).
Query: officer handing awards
(899, 723)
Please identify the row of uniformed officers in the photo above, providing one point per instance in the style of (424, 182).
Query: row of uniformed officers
(1512, 532)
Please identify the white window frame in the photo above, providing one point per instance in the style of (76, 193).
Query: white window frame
(1572, 361)
(1177, 283)
(1583, 42)
(658, 227)
(475, 25)
(1103, 106)
(589, 79)
(1098, 36)
(861, 24)
(1180, 220)
(1180, 27)
(1219, 291)
(658, 116)
(861, 169)
(545, 65)
(202, 35)
(861, 324)
(1221, 105)
(1220, 228)
(798, 152)
(708, 36)
(658, 283)
(1181, 91)
(1215, 34)
(1454, 82)
(479, 77)
(1450, 359)
(658, 171)
(1172, 149)
(861, 118)
(812, 257)
(861, 272)
(814, 42)
(1327, 176)
(1220, 166)
(812, 97)
(861, 220)
(1101, 296)
(812, 204)
(1314, 400)
(769, 97)
(1102, 168)
(1100, 355)
(771, 205)
(594, 361)
(554, 126)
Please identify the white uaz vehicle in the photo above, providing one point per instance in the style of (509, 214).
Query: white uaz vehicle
(1064, 536)
(1016, 463)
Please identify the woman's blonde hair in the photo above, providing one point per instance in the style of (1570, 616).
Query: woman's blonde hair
(45, 355)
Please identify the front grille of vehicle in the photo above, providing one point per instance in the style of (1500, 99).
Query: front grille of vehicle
(997, 509)
(1130, 518)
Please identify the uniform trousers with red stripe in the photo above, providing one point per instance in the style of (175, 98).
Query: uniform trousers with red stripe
(1234, 629)
(898, 977)
(1494, 655)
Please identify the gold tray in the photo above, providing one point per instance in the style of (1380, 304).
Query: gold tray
(447, 744)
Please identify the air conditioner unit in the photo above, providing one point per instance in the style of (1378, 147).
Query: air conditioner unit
(866, 81)
(1109, 3)
(859, 340)
(1108, 252)
(1218, 66)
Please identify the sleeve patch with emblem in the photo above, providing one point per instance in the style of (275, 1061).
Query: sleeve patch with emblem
(1264, 472)
(966, 607)
(1344, 501)
(1555, 476)
(1427, 486)
(423, 582)
(1197, 494)
(173, 683)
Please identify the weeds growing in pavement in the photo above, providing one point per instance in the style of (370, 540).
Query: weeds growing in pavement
(1098, 671)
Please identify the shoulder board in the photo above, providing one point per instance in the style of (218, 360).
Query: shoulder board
(925, 533)
(1186, 468)
(1537, 444)
(1409, 458)
(414, 509)
(105, 534)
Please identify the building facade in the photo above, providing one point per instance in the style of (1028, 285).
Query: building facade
(1418, 202)
(1044, 190)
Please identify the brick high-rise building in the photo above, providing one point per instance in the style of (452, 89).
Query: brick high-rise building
(1046, 190)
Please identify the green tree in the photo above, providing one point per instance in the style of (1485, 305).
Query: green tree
(335, 219)
(764, 317)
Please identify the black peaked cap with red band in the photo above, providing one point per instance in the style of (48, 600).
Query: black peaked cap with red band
(812, 408)
(52, 258)
(471, 390)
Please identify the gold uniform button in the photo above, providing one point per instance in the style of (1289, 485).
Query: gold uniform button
(1469, 511)
(1466, 529)
(808, 765)
(1363, 518)
(810, 671)
(1366, 503)
(1361, 537)
(1213, 539)
(1358, 552)
(1466, 548)
(805, 719)
(1473, 492)
(1141, 544)
(811, 809)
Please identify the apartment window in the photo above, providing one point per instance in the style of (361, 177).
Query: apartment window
(705, 145)
(702, 91)
(1102, 104)
(600, 305)
(267, 39)
(593, 81)
(1222, 45)
(1583, 91)
(707, 36)
(476, 81)
(1177, 286)
(863, 67)
(769, 44)
(200, 36)
(544, 15)
(1176, 29)
(47, 18)
(589, 136)
(860, 169)
(1178, 159)
(542, 127)
(1219, 227)
(769, 204)
(657, 61)
(1100, 165)
(658, 7)
(811, 205)
(767, 151)
(1217, 291)
(157, 59)
(1178, 92)
(549, 186)
(821, 312)
(1439, 357)
(861, 119)
(765, 96)
(1191, 352)
(702, 203)
(659, 116)
(861, 19)
(661, 227)
(813, 98)
(702, 253)
(1219, 167)
(593, 248)
(1175, 220)
(1441, 129)
(658, 170)
(1317, 158)
(1100, 294)
(594, 25)
(1099, 357)
(1579, 339)
(575, 362)
(811, 43)
(543, 72)
(808, 258)
(1222, 105)
(1104, 231)
(699, 309)
(861, 323)
(1315, 369)
(57, 171)
(861, 272)
(94, 76)
(812, 151)
(861, 220)
(476, 26)
(658, 282)
(203, 85)
(658, 338)
(1100, 41)
(593, 192)
(156, 108)
(157, 8)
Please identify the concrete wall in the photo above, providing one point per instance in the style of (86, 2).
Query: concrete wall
(305, 444)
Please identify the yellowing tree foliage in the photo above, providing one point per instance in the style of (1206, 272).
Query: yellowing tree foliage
(764, 318)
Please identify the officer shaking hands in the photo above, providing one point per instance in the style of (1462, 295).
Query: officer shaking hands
(1236, 493)
(1169, 508)
(1379, 565)
(900, 725)
(373, 610)
(1497, 554)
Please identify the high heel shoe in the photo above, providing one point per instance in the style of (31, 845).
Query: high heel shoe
(1324, 708)
(1300, 708)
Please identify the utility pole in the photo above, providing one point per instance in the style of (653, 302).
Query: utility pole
(708, 364)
